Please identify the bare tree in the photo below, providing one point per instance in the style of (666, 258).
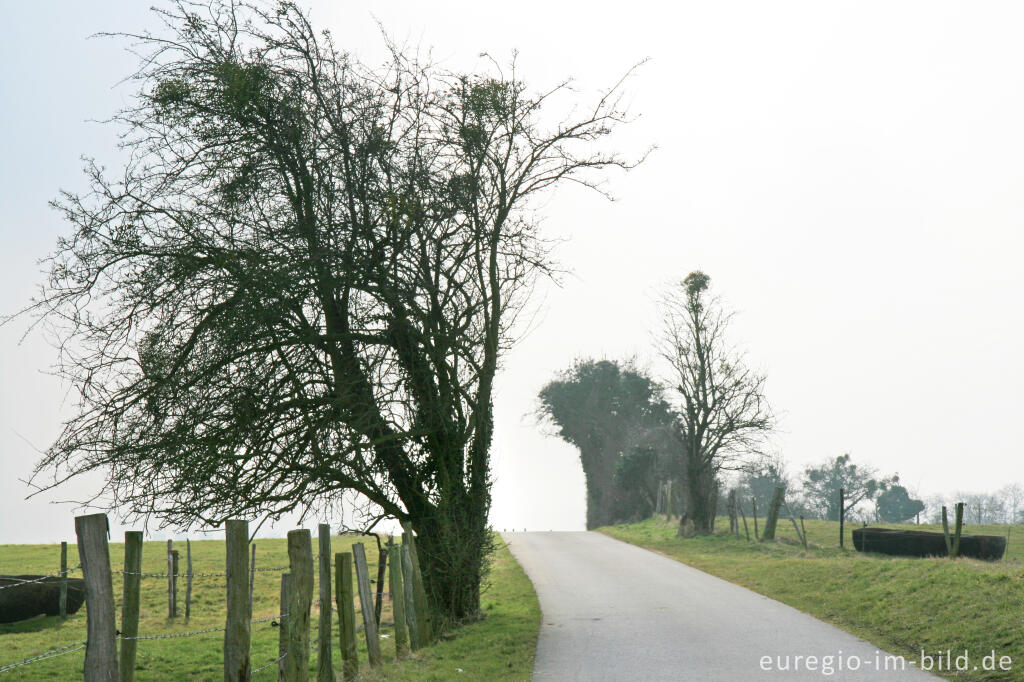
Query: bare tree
(723, 412)
(300, 284)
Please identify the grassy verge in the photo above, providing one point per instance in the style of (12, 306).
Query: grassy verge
(500, 647)
(901, 604)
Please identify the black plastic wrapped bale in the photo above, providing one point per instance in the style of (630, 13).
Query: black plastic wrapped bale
(922, 543)
(30, 599)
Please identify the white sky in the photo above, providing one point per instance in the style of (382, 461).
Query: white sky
(848, 173)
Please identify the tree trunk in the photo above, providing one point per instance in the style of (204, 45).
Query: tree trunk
(701, 500)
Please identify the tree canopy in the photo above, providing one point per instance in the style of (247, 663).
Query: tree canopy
(615, 415)
(300, 283)
(821, 485)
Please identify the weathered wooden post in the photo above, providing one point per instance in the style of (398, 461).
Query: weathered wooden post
(283, 641)
(130, 602)
(945, 532)
(346, 614)
(382, 565)
(325, 666)
(252, 575)
(63, 599)
(188, 585)
(753, 511)
(94, 554)
(773, 514)
(397, 588)
(746, 528)
(959, 527)
(842, 515)
(300, 565)
(170, 578)
(366, 604)
(669, 506)
(423, 616)
(411, 617)
(237, 630)
(175, 572)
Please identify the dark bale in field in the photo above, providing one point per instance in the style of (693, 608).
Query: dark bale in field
(28, 600)
(923, 543)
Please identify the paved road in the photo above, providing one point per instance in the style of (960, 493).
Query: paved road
(613, 611)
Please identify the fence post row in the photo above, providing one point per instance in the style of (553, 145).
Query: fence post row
(325, 666)
(94, 555)
(300, 565)
(397, 588)
(346, 613)
(130, 603)
(237, 628)
(366, 604)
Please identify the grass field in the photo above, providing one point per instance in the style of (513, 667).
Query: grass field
(499, 647)
(904, 605)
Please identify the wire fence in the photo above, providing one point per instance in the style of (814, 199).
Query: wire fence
(40, 579)
(52, 653)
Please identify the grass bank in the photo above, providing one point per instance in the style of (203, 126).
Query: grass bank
(499, 647)
(903, 605)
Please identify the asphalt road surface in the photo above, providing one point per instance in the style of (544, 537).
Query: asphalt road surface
(613, 611)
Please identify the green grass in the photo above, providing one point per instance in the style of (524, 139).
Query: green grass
(900, 604)
(499, 647)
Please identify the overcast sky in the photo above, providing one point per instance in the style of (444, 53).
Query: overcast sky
(848, 173)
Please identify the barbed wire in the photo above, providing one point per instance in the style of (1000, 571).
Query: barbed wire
(271, 618)
(275, 568)
(172, 575)
(52, 653)
(173, 635)
(274, 662)
(39, 579)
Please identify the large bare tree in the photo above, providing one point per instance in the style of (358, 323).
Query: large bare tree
(723, 412)
(300, 283)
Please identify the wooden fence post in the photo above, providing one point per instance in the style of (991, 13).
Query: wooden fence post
(237, 630)
(746, 528)
(346, 614)
(423, 617)
(300, 565)
(366, 604)
(63, 599)
(753, 511)
(188, 585)
(959, 527)
(773, 514)
(382, 565)
(94, 554)
(842, 515)
(252, 575)
(282, 635)
(945, 532)
(410, 598)
(325, 666)
(397, 588)
(130, 602)
(170, 578)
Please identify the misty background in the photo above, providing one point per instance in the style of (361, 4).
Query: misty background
(848, 174)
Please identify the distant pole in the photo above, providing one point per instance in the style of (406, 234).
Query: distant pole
(238, 628)
(130, 602)
(842, 515)
(63, 605)
(94, 554)
(325, 666)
